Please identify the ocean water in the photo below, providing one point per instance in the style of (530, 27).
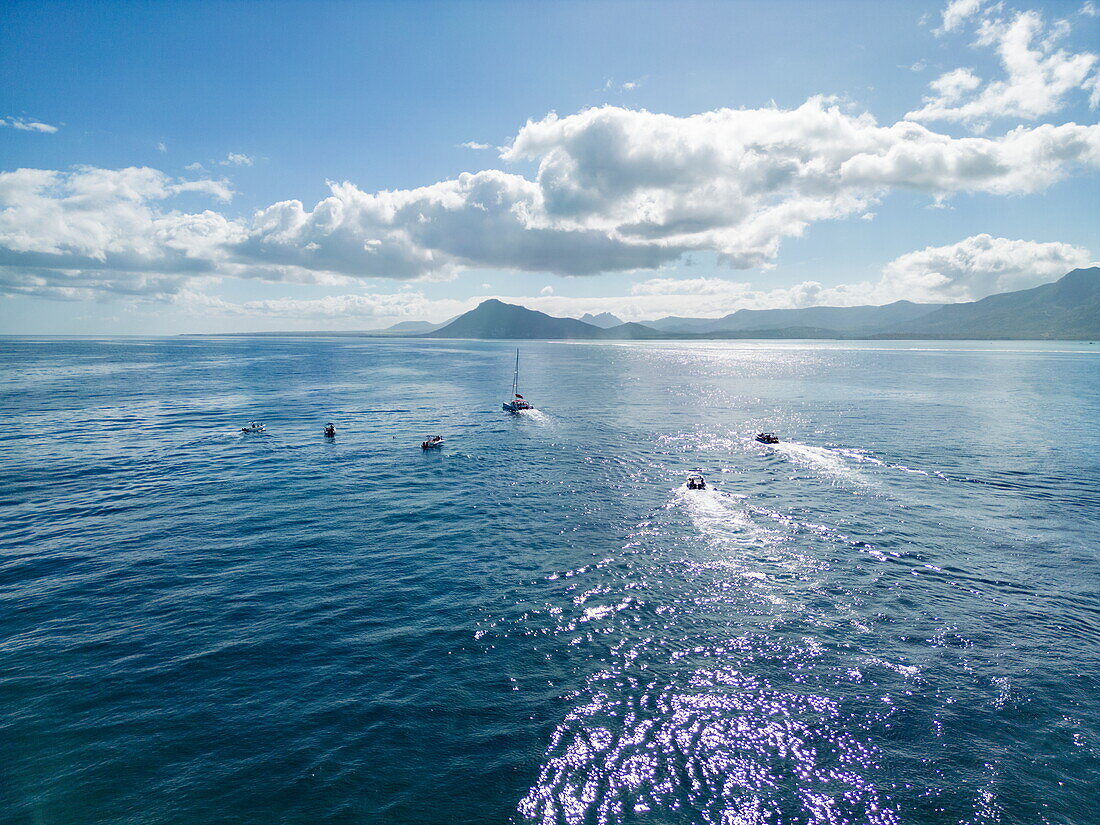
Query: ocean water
(890, 617)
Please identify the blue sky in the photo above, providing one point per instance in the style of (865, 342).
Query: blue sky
(685, 172)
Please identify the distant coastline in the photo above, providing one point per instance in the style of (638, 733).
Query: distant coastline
(1066, 310)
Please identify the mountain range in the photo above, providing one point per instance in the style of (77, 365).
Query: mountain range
(1066, 309)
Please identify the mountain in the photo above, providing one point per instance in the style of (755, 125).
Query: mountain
(632, 331)
(1069, 308)
(860, 320)
(674, 323)
(496, 319)
(605, 320)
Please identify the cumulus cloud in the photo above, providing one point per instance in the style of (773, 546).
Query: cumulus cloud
(28, 125)
(979, 266)
(473, 144)
(1039, 74)
(236, 159)
(76, 234)
(615, 190)
(619, 189)
(738, 181)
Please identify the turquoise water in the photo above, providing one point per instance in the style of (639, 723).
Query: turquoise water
(891, 617)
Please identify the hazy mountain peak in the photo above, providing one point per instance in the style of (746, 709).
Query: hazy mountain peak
(605, 320)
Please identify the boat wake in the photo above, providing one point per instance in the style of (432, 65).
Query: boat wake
(820, 460)
(534, 415)
(719, 515)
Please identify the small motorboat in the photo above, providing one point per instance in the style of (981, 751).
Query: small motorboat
(254, 427)
(434, 441)
(767, 438)
(696, 482)
(330, 430)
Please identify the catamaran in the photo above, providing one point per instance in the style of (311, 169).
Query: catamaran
(518, 402)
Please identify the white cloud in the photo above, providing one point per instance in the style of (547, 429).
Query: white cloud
(738, 181)
(626, 86)
(28, 125)
(162, 147)
(1038, 73)
(1088, 9)
(978, 266)
(951, 87)
(547, 290)
(957, 12)
(195, 167)
(615, 190)
(236, 159)
(93, 231)
(471, 144)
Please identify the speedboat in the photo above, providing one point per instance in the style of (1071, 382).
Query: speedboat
(696, 482)
(518, 402)
(767, 438)
(254, 427)
(434, 441)
(330, 430)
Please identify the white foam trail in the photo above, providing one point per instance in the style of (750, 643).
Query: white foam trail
(821, 460)
(719, 515)
(864, 458)
(535, 415)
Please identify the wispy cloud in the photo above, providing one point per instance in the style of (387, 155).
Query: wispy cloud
(626, 86)
(28, 125)
(236, 159)
(473, 144)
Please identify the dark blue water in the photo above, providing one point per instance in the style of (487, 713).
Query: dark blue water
(891, 617)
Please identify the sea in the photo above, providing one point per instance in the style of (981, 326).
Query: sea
(892, 617)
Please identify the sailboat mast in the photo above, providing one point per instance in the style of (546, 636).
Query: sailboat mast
(515, 377)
